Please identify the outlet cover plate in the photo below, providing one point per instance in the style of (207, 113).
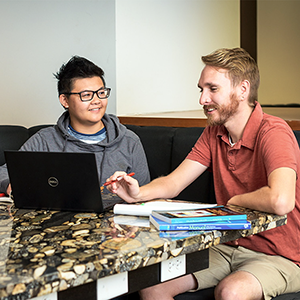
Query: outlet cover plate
(172, 268)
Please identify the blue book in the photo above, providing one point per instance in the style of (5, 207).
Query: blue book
(211, 214)
(217, 225)
(178, 235)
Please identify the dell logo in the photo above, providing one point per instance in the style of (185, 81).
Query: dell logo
(52, 181)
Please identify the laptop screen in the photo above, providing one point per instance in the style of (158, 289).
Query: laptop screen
(54, 180)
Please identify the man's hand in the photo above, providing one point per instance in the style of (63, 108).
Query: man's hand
(126, 188)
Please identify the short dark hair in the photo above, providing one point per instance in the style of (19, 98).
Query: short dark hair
(77, 67)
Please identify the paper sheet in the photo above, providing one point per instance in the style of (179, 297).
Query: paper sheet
(145, 209)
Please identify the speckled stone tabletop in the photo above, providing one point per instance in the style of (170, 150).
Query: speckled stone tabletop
(42, 252)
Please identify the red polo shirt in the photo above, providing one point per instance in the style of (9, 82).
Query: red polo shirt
(267, 143)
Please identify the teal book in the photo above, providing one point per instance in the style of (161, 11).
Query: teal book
(212, 214)
(216, 225)
(178, 235)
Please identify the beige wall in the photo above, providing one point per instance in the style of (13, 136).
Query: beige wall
(149, 49)
(37, 37)
(159, 49)
(279, 51)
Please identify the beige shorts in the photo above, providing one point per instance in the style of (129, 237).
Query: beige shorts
(277, 275)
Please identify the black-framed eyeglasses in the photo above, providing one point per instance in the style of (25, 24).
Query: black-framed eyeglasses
(102, 93)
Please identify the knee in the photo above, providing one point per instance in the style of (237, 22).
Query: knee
(239, 286)
(226, 292)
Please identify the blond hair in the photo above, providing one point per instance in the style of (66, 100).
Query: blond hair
(239, 65)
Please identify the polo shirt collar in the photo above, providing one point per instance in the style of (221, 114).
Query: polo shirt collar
(251, 129)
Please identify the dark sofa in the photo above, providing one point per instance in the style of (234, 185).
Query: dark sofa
(165, 148)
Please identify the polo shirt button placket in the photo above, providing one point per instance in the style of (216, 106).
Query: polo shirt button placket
(231, 160)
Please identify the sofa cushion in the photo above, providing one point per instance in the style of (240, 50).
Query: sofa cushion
(297, 135)
(12, 137)
(157, 142)
(202, 189)
(290, 296)
(208, 294)
(34, 129)
(205, 294)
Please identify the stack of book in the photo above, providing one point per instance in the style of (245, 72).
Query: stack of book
(213, 218)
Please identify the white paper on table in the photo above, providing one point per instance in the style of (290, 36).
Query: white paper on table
(146, 208)
(132, 220)
(6, 200)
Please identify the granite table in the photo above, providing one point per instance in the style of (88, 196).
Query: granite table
(50, 255)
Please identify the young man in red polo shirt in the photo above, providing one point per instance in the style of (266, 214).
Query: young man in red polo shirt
(255, 161)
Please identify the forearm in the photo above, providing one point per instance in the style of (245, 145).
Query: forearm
(277, 197)
(161, 187)
(264, 199)
(171, 185)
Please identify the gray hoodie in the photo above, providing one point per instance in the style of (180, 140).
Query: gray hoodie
(120, 151)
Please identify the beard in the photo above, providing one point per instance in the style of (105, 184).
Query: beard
(225, 112)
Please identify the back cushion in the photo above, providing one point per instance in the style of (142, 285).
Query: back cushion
(34, 129)
(297, 135)
(157, 142)
(202, 189)
(11, 138)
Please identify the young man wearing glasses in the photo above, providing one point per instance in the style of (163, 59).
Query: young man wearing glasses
(85, 127)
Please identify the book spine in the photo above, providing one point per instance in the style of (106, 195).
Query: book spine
(212, 219)
(207, 227)
(200, 226)
(178, 235)
(199, 219)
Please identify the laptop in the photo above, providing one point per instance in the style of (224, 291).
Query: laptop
(57, 181)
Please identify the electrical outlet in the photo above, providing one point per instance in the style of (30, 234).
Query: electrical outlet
(112, 286)
(52, 296)
(172, 268)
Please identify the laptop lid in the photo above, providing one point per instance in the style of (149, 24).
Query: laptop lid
(54, 180)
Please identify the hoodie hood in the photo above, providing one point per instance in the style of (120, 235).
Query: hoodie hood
(115, 132)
